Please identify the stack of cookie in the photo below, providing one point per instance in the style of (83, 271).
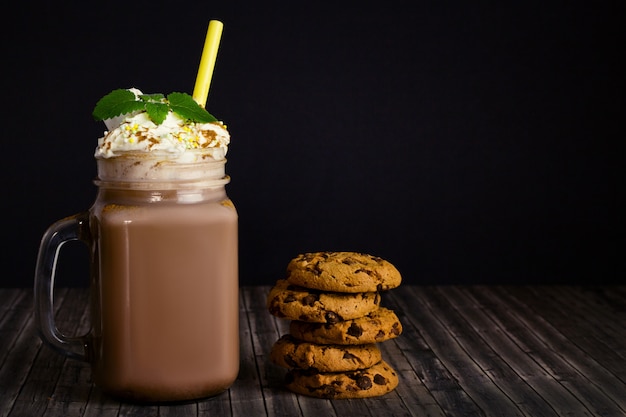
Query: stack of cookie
(333, 302)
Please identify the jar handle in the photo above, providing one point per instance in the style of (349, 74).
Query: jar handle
(71, 228)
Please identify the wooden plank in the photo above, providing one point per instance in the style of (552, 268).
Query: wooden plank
(411, 391)
(138, 410)
(278, 401)
(216, 406)
(464, 351)
(244, 397)
(607, 302)
(101, 405)
(578, 333)
(506, 363)
(16, 312)
(36, 393)
(73, 387)
(179, 410)
(438, 365)
(18, 375)
(545, 344)
(390, 404)
(314, 407)
(563, 380)
(16, 349)
(589, 314)
(352, 407)
(8, 296)
(509, 391)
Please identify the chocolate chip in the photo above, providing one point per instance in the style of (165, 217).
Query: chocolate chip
(355, 330)
(309, 300)
(395, 329)
(275, 310)
(332, 317)
(290, 298)
(328, 391)
(364, 382)
(379, 379)
(380, 334)
(289, 361)
(349, 356)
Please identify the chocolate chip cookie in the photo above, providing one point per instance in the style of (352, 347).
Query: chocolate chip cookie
(290, 353)
(350, 272)
(374, 381)
(298, 303)
(380, 325)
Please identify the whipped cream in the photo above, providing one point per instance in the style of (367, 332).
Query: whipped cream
(175, 137)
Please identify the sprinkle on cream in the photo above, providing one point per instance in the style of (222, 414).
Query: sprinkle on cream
(137, 132)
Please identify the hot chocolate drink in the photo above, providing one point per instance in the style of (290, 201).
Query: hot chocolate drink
(165, 312)
(164, 242)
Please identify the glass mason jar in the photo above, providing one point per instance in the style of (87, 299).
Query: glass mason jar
(163, 238)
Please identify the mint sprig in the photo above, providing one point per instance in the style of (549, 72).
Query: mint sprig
(157, 106)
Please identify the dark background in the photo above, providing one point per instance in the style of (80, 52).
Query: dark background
(463, 143)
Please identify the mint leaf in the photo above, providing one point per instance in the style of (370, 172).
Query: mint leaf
(117, 102)
(121, 101)
(185, 106)
(151, 98)
(157, 111)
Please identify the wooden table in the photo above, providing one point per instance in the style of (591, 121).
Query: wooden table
(465, 351)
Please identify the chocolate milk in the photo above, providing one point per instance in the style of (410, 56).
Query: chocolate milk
(166, 320)
(165, 281)
(162, 235)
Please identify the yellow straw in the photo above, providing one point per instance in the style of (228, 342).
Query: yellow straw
(207, 62)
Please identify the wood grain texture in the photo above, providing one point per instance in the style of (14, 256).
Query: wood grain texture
(464, 351)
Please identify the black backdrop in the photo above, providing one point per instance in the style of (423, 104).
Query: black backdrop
(463, 143)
